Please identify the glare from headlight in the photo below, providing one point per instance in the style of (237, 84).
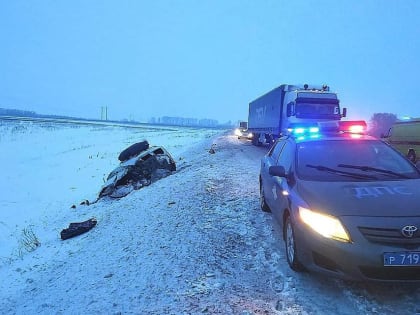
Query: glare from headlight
(326, 225)
(238, 132)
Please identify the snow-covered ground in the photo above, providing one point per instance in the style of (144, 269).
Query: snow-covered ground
(48, 167)
(194, 242)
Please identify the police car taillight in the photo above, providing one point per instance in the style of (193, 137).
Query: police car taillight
(356, 126)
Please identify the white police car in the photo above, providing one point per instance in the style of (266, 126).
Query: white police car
(348, 203)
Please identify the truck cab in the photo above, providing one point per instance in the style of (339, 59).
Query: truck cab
(312, 105)
(271, 114)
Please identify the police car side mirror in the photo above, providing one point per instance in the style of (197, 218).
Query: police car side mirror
(277, 170)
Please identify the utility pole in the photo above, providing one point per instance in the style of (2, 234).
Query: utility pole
(104, 112)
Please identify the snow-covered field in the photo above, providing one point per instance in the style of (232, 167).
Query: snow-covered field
(195, 242)
(48, 167)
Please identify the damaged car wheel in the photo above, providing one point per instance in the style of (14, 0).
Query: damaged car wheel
(133, 150)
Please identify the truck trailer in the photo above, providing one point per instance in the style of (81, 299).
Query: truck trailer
(271, 114)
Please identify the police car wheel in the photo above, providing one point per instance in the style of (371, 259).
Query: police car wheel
(263, 204)
(291, 250)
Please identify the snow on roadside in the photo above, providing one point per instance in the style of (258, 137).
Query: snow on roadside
(176, 246)
(48, 167)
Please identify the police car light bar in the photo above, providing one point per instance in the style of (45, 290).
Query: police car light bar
(354, 126)
(302, 129)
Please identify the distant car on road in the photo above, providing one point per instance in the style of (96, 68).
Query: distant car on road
(348, 204)
(243, 133)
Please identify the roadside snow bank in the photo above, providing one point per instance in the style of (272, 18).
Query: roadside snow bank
(186, 244)
(48, 167)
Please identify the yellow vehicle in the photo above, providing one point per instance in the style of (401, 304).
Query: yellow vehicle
(405, 137)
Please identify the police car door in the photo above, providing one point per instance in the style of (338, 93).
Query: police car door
(266, 179)
(281, 185)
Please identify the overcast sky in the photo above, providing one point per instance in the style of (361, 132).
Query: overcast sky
(206, 59)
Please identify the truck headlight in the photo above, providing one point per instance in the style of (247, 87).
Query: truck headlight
(238, 132)
(326, 225)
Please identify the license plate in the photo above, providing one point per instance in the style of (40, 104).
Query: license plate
(402, 259)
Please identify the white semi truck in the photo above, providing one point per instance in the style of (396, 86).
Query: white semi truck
(271, 114)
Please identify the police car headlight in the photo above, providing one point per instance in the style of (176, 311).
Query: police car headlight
(326, 225)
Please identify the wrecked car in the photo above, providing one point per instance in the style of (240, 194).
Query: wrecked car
(138, 171)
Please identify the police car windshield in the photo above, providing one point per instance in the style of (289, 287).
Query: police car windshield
(373, 169)
(367, 159)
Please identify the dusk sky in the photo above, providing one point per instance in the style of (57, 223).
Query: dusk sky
(206, 59)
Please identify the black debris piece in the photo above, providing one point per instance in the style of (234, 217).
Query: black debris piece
(85, 202)
(78, 228)
(213, 149)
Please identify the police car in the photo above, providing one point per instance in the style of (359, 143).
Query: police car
(348, 203)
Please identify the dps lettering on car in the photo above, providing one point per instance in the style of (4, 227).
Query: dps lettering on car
(362, 192)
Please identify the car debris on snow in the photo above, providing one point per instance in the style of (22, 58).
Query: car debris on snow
(78, 228)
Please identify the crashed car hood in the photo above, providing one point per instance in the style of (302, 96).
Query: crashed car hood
(387, 198)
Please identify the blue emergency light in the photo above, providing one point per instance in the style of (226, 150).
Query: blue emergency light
(303, 129)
